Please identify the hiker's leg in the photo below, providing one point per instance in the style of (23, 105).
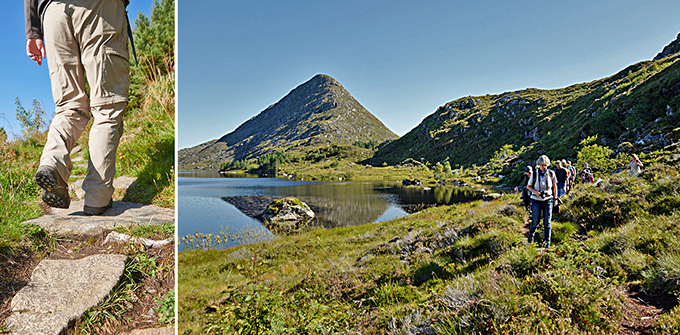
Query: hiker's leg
(547, 217)
(535, 217)
(105, 58)
(105, 134)
(68, 89)
(105, 50)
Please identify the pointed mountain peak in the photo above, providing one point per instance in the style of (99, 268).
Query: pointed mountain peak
(318, 84)
(323, 79)
(317, 113)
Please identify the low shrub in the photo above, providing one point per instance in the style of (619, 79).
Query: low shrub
(562, 231)
(667, 324)
(632, 262)
(656, 172)
(492, 222)
(594, 210)
(649, 236)
(521, 260)
(664, 276)
(582, 296)
(391, 293)
(488, 245)
(666, 205)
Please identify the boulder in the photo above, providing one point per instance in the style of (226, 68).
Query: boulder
(287, 215)
(411, 182)
(491, 196)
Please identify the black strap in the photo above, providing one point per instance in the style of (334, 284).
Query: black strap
(132, 42)
(536, 176)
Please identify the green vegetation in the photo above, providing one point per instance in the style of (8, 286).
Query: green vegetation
(18, 191)
(109, 316)
(457, 269)
(331, 163)
(636, 108)
(146, 152)
(148, 231)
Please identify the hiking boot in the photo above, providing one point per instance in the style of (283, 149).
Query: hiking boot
(97, 210)
(54, 189)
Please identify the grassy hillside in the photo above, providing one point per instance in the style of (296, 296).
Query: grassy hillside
(458, 269)
(634, 110)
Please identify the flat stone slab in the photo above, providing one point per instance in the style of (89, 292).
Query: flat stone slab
(123, 182)
(122, 213)
(169, 330)
(61, 291)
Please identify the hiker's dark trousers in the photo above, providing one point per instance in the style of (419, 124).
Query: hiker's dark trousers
(538, 209)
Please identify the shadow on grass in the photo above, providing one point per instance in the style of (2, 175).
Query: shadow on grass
(155, 176)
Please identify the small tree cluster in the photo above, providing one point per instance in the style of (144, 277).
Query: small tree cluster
(32, 120)
(442, 171)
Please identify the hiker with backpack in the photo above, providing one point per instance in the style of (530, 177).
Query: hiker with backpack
(81, 38)
(587, 175)
(572, 175)
(635, 166)
(543, 187)
(524, 181)
(562, 175)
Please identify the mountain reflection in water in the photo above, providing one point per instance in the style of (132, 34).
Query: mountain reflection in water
(336, 204)
(349, 204)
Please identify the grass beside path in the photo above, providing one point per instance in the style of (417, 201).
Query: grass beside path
(455, 269)
(147, 153)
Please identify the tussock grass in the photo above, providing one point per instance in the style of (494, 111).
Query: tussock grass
(457, 269)
(19, 194)
(107, 317)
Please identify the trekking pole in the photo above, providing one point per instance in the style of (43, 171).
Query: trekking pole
(132, 42)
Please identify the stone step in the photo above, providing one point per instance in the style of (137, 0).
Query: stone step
(74, 221)
(61, 291)
(118, 183)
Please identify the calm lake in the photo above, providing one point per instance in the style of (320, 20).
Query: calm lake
(209, 202)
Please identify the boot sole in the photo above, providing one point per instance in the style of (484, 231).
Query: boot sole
(50, 195)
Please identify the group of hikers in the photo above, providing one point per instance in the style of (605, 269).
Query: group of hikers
(542, 189)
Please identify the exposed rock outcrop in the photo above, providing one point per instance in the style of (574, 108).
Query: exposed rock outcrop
(287, 215)
(670, 49)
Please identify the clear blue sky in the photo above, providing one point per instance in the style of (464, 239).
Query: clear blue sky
(19, 75)
(399, 59)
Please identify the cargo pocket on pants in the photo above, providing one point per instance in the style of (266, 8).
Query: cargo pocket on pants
(115, 80)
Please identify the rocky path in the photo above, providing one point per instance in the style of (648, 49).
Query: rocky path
(60, 291)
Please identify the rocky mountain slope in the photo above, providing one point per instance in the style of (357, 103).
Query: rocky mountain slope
(672, 48)
(639, 105)
(319, 112)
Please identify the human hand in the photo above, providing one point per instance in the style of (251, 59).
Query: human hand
(35, 49)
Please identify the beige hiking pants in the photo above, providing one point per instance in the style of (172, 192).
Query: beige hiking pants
(87, 37)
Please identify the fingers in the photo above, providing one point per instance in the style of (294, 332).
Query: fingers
(35, 49)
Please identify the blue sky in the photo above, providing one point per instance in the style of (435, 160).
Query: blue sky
(400, 59)
(19, 75)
